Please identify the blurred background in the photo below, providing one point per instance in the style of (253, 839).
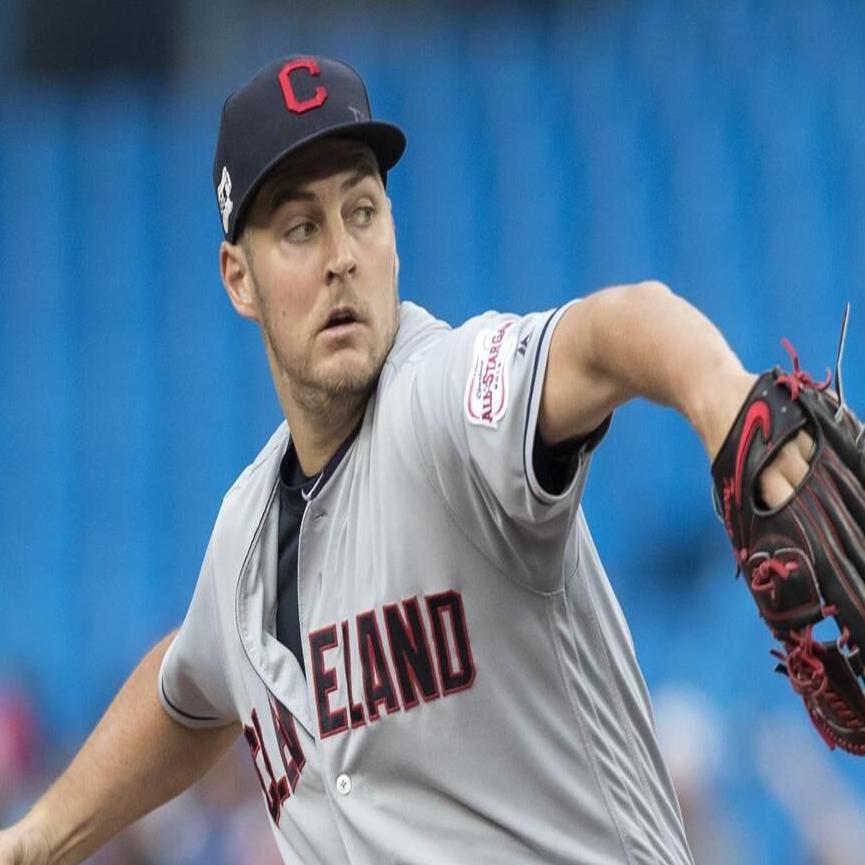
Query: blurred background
(554, 147)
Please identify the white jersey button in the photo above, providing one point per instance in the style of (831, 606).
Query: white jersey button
(343, 785)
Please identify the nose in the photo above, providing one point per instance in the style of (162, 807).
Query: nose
(341, 262)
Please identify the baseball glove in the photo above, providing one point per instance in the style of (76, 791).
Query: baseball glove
(804, 561)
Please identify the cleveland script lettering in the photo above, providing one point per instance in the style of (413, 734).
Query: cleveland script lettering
(404, 658)
(276, 789)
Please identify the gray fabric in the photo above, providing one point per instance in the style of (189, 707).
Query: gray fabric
(536, 742)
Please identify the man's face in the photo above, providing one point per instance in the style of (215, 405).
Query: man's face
(320, 257)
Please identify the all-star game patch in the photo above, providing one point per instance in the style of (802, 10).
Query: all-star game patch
(487, 391)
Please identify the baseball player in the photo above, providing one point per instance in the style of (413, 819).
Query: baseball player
(401, 609)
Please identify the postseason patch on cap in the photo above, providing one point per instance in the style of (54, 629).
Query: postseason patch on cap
(487, 391)
(223, 197)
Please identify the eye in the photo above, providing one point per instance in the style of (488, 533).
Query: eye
(363, 215)
(301, 231)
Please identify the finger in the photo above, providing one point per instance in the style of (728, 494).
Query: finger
(790, 463)
(775, 489)
(805, 444)
(787, 470)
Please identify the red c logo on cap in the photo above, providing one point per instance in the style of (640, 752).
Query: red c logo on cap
(292, 103)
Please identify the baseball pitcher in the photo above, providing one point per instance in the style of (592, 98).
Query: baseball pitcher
(401, 609)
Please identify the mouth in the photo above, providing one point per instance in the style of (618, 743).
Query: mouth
(341, 317)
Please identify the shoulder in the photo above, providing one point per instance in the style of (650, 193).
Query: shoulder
(423, 342)
(265, 464)
(490, 340)
(418, 331)
(431, 358)
(248, 497)
(421, 337)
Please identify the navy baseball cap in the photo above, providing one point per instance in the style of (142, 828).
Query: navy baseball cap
(288, 104)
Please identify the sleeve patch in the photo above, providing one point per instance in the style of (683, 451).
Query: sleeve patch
(487, 392)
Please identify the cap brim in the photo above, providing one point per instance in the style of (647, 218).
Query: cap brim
(386, 140)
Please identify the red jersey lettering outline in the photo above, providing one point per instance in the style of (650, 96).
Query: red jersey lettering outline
(423, 658)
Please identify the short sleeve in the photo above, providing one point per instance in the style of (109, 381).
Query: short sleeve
(475, 408)
(193, 688)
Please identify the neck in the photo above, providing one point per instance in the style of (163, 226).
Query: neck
(317, 438)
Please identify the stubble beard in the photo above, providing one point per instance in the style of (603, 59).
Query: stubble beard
(325, 396)
(328, 395)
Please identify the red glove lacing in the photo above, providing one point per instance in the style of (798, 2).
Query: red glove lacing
(769, 574)
(807, 675)
(799, 379)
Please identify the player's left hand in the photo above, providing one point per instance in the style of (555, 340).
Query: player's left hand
(790, 488)
(781, 478)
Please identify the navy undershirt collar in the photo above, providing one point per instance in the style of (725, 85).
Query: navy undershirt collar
(305, 487)
(296, 490)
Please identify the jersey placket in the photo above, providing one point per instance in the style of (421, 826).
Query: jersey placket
(315, 537)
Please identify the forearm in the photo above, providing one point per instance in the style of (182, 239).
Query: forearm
(135, 759)
(642, 340)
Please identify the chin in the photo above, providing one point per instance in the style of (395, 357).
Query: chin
(338, 378)
(351, 378)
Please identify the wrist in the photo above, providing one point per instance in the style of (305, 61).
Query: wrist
(39, 833)
(24, 844)
(714, 409)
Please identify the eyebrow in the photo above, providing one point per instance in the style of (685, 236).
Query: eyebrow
(285, 192)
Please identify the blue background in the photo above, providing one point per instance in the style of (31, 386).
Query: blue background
(554, 148)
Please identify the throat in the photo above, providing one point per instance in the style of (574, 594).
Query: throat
(318, 437)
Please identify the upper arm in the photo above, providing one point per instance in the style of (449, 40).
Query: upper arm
(476, 403)
(578, 395)
(193, 687)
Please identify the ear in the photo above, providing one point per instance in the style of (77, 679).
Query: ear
(238, 279)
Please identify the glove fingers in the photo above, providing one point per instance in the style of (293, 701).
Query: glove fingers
(845, 499)
(839, 711)
(841, 436)
(841, 557)
(804, 561)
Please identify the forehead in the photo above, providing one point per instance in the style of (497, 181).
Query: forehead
(317, 161)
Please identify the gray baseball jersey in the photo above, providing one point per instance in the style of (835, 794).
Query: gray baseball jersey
(472, 692)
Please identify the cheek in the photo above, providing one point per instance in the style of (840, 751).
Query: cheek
(290, 295)
(388, 267)
(385, 297)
